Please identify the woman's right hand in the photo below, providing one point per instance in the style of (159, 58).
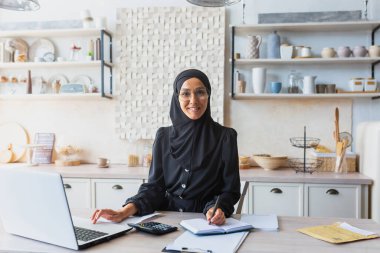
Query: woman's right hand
(114, 215)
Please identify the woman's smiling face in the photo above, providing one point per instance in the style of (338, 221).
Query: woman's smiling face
(193, 98)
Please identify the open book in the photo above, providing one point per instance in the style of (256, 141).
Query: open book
(201, 226)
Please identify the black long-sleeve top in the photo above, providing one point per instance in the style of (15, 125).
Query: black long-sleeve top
(174, 188)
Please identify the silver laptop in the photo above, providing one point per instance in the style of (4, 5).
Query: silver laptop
(34, 205)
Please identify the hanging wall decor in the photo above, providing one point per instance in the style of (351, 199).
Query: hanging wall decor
(156, 43)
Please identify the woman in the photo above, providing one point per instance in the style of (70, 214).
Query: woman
(194, 161)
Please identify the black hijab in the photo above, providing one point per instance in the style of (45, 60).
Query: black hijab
(192, 141)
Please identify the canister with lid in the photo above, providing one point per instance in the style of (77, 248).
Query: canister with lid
(370, 84)
(356, 84)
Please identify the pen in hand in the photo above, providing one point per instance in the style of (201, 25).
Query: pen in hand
(214, 210)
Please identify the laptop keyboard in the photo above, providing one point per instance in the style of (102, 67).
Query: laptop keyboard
(85, 235)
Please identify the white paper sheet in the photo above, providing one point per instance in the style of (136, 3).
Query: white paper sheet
(133, 219)
(261, 222)
(355, 229)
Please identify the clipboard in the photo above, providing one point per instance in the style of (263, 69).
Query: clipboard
(188, 242)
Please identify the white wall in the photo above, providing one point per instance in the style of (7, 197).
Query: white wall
(263, 126)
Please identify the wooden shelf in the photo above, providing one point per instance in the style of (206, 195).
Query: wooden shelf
(251, 96)
(348, 60)
(78, 32)
(17, 65)
(310, 27)
(66, 96)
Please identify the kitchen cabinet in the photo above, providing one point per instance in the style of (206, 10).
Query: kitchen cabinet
(304, 29)
(282, 191)
(324, 200)
(102, 68)
(78, 192)
(304, 199)
(99, 193)
(112, 193)
(284, 199)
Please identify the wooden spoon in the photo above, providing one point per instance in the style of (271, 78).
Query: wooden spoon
(337, 125)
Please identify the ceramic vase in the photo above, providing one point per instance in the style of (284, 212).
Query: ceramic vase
(259, 79)
(273, 45)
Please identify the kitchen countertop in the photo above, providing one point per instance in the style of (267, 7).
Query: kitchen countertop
(254, 174)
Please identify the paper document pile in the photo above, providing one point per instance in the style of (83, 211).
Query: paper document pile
(338, 233)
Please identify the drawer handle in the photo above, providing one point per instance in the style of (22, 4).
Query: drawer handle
(332, 192)
(117, 187)
(67, 186)
(276, 190)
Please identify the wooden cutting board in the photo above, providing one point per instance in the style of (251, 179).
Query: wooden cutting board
(13, 134)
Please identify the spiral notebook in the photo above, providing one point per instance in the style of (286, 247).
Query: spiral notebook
(201, 227)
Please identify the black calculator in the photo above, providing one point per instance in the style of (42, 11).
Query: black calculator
(153, 227)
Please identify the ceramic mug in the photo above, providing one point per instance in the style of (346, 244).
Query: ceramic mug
(275, 87)
(374, 51)
(321, 88)
(103, 162)
(306, 52)
(330, 88)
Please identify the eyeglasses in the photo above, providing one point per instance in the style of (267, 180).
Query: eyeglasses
(185, 94)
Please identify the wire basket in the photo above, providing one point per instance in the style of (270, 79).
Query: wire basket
(301, 142)
(308, 166)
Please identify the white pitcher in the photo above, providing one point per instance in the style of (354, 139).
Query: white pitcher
(309, 84)
(254, 42)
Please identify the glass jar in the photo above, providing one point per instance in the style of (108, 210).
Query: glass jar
(295, 82)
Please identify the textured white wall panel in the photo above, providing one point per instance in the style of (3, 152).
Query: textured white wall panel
(156, 44)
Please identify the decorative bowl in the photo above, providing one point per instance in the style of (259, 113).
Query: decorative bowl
(270, 162)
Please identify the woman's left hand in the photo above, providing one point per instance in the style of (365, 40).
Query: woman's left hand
(218, 218)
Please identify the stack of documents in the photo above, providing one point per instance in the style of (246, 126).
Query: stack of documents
(338, 233)
(202, 227)
(223, 243)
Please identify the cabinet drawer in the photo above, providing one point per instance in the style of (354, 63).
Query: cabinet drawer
(78, 192)
(112, 193)
(280, 198)
(333, 201)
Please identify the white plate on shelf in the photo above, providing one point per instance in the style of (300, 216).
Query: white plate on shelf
(11, 45)
(82, 79)
(43, 49)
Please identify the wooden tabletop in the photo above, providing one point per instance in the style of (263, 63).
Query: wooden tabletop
(287, 239)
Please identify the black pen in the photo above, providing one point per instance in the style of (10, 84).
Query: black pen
(195, 250)
(213, 211)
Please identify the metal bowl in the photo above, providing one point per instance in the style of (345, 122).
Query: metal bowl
(307, 166)
(301, 142)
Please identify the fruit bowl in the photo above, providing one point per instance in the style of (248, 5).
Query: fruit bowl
(270, 162)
